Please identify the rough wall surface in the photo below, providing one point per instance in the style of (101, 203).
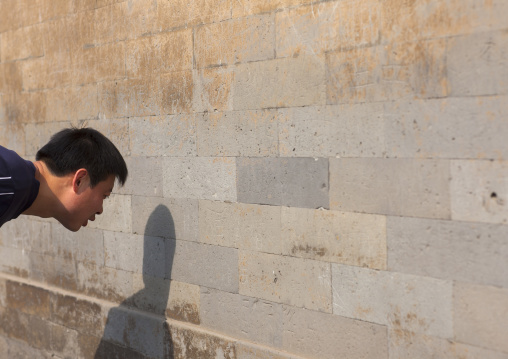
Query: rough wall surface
(308, 179)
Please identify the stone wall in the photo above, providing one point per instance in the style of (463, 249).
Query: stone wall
(308, 179)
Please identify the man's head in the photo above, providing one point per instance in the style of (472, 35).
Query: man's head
(89, 163)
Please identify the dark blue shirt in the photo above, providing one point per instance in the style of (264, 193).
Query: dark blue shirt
(18, 186)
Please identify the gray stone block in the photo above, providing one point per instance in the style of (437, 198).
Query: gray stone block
(477, 64)
(479, 191)
(211, 178)
(320, 335)
(86, 245)
(452, 128)
(469, 252)
(116, 215)
(294, 182)
(400, 301)
(405, 187)
(242, 317)
(145, 177)
(205, 265)
(295, 281)
(165, 217)
(331, 131)
(238, 133)
(480, 314)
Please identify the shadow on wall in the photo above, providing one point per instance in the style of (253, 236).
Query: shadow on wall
(137, 328)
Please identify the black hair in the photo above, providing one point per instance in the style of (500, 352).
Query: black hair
(73, 148)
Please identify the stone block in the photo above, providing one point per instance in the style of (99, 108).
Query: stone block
(70, 104)
(318, 28)
(168, 218)
(138, 331)
(27, 298)
(184, 302)
(205, 265)
(57, 271)
(172, 135)
(110, 23)
(479, 191)
(191, 343)
(11, 78)
(86, 245)
(79, 314)
(145, 177)
(326, 336)
(245, 350)
(480, 314)
(238, 133)
(350, 130)
(155, 55)
(404, 344)
(212, 89)
(38, 134)
(98, 64)
(25, 233)
(331, 236)
(400, 301)
(12, 135)
(25, 107)
(235, 41)
(242, 317)
(406, 187)
(177, 92)
(289, 82)
(452, 128)
(468, 252)
(381, 73)
(20, 44)
(250, 7)
(134, 253)
(172, 14)
(15, 261)
(117, 215)
(238, 225)
(298, 182)
(476, 64)
(104, 283)
(130, 97)
(212, 178)
(294, 281)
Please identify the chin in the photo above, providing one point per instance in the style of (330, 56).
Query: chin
(73, 227)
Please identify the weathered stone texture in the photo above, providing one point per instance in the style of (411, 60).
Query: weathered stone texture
(404, 187)
(298, 282)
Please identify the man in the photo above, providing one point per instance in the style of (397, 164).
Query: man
(72, 175)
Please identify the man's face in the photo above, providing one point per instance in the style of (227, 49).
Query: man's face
(88, 202)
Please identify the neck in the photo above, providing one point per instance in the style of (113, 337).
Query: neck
(47, 203)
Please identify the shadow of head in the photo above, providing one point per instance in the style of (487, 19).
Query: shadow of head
(158, 253)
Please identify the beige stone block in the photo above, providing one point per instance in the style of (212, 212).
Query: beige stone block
(38, 134)
(176, 13)
(86, 245)
(243, 226)
(212, 89)
(239, 133)
(130, 97)
(26, 107)
(154, 55)
(405, 187)
(47, 72)
(28, 299)
(250, 7)
(294, 281)
(235, 41)
(26, 233)
(12, 136)
(321, 335)
(172, 135)
(101, 282)
(23, 43)
(480, 315)
(177, 92)
(98, 64)
(404, 344)
(407, 70)
(245, 350)
(117, 131)
(110, 23)
(16, 261)
(11, 79)
(479, 191)
(183, 302)
(72, 103)
(141, 18)
(117, 215)
(400, 301)
(318, 28)
(331, 236)
(280, 83)
(190, 343)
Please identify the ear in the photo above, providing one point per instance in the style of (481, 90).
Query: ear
(81, 180)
